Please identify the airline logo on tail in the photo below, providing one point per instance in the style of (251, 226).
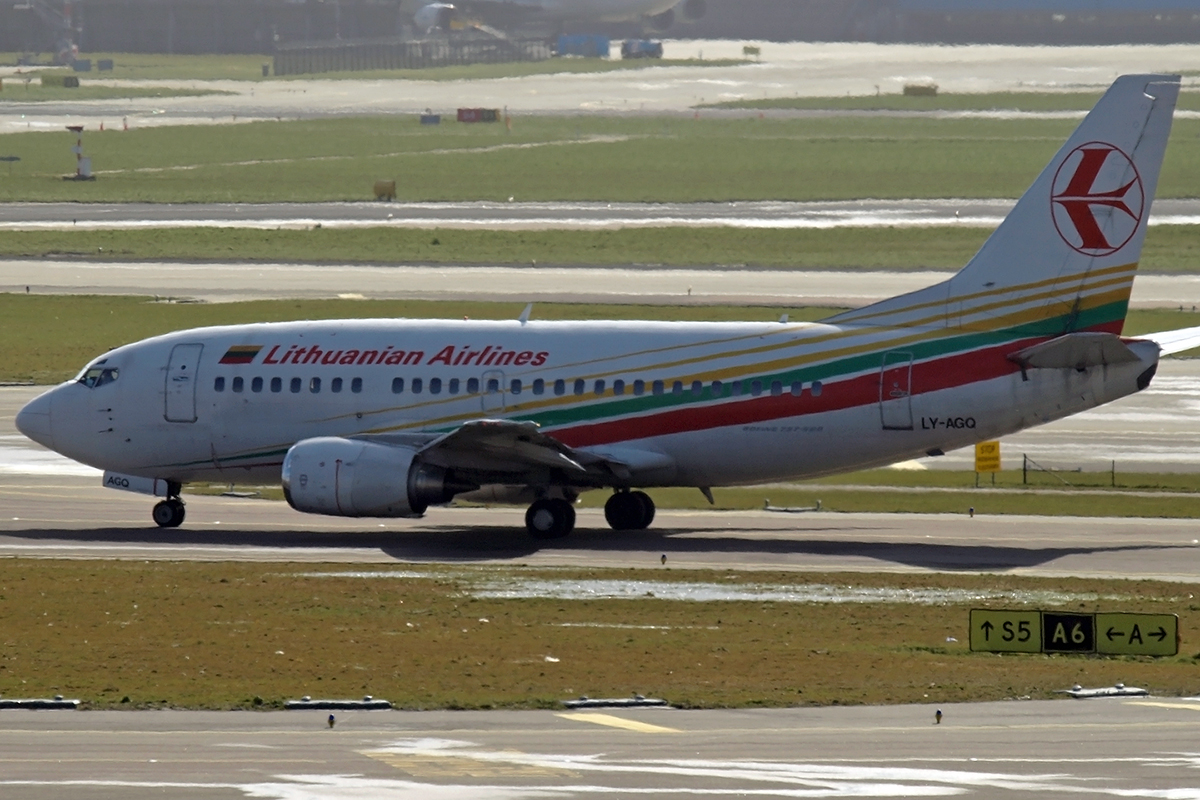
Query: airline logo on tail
(1097, 183)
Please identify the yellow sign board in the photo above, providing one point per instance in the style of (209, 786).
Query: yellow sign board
(1137, 634)
(1006, 631)
(987, 456)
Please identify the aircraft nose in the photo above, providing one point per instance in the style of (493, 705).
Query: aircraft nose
(34, 420)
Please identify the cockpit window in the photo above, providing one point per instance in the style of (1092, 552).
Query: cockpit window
(98, 375)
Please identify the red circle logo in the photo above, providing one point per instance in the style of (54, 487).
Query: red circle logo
(1097, 199)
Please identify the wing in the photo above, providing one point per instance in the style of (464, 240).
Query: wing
(510, 451)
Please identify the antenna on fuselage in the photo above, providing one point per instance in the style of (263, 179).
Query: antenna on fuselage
(525, 314)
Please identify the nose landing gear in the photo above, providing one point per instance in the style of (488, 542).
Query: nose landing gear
(169, 513)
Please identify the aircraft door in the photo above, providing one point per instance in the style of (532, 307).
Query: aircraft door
(181, 382)
(492, 391)
(895, 391)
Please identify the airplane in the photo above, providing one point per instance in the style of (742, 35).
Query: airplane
(660, 14)
(387, 417)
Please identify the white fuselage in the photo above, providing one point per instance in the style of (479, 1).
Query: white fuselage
(724, 403)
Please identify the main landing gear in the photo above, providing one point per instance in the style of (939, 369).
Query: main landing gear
(550, 518)
(629, 511)
(554, 517)
(169, 513)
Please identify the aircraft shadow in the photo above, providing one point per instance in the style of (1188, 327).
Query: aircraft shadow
(469, 544)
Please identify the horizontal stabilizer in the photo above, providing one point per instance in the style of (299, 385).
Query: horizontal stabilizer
(1176, 341)
(1076, 351)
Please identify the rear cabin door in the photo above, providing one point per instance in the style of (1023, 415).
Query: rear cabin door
(895, 391)
(181, 382)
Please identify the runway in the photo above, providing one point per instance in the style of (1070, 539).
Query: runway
(805, 69)
(535, 216)
(1104, 748)
(56, 508)
(640, 284)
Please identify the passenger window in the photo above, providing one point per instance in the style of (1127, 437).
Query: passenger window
(296, 385)
(697, 388)
(493, 386)
(454, 386)
(580, 385)
(256, 385)
(560, 386)
(314, 385)
(677, 387)
(776, 388)
(397, 385)
(657, 387)
(639, 387)
(599, 388)
(416, 385)
(219, 385)
(539, 386)
(756, 388)
(735, 388)
(435, 385)
(618, 387)
(472, 385)
(238, 384)
(276, 384)
(797, 388)
(515, 386)
(356, 385)
(816, 388)
(718, 388)
(335, 385)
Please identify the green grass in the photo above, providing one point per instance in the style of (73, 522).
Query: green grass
(48, 338)
(563, 158)
(990, 101)
(160, 66)
(33, 92)
(1168, 249)
(193, 635)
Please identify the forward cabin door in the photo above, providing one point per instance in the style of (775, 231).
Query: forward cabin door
(895, 391)
(181, 382)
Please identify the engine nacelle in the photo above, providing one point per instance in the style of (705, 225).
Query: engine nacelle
(434, 16)
(353, 478)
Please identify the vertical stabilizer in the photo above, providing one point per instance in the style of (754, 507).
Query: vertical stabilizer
(1064, 258)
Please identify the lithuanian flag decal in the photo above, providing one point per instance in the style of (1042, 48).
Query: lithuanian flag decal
(241, 354)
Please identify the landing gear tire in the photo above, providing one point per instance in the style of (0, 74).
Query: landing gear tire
(550, 518)
(629, 511)
(169, 513)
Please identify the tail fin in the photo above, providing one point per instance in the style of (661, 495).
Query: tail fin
(1064, 258)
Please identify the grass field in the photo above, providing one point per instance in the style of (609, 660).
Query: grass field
(1168, 249)
(563, 158)
(18, 91)
(992, 101)
(121, 635)
(48, 338)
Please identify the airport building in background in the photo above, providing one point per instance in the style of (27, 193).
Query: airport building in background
(258, 26)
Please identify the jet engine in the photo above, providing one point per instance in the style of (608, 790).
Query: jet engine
(354, 478)
(693, 9)
(434, 16)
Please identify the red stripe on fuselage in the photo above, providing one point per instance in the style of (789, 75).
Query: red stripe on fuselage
(929, 376)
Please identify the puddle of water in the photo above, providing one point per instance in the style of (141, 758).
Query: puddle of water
(703, 592)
